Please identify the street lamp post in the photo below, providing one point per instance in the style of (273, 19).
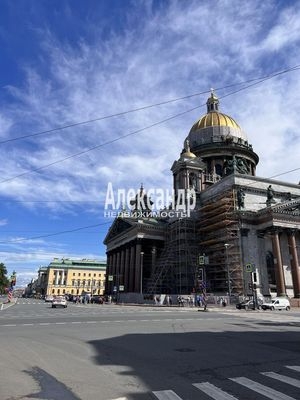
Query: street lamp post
(142, 267)
(227, 269)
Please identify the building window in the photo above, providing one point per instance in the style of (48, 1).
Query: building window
(58, 291)
(94, 275)
(73, 273)
(84, 274)
(78, 273)
(78, 282)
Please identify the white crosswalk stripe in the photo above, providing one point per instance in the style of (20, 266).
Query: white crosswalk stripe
(294, 367)
(262, 389)
(283, 378)
(217, 393)
(166, 395)
(213, 391)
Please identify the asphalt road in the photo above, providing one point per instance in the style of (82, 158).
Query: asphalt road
(109, 352)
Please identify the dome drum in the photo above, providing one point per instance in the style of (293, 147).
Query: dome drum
(216, 134)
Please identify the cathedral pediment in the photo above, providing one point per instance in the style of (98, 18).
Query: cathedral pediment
(120, 225)
(291, 207)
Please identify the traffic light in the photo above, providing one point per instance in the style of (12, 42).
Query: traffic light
(201, 260)
(200, 274)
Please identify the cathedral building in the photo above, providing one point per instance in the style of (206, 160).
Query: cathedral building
(241, 238)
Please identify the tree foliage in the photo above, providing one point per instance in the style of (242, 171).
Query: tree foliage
(4, 281)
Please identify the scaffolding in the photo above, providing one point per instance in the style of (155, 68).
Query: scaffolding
(218, 234)
(174, 271)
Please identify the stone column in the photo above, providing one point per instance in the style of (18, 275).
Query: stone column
(132, 269)
(117, 273)
(126, 269)
(295, 269)
(56, 277)
(122, 268)
(137, 271)
(279, 274)
(114, 263)
(62, 277)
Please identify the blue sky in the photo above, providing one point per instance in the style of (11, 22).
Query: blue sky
(65, 62)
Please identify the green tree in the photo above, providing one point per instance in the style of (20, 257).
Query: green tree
(4, 281)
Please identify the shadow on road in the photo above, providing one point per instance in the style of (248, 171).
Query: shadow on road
(173, 361)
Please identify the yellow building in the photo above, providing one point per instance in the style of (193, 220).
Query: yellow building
(75, 277)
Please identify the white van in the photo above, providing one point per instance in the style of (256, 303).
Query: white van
(278, 303)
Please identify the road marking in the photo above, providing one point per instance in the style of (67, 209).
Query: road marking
(10, 325)
(44, 323)
(294, 367)
(121, 398)
(283, 378)
(262, 389)
(213, 391)
(166, 395)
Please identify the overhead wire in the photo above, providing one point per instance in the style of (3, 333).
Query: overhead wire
(257, 82)
(94, 225)
(142, 108)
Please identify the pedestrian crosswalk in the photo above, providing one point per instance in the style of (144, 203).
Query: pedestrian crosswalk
(266, 390)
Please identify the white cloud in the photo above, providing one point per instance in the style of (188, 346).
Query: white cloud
(187, 47)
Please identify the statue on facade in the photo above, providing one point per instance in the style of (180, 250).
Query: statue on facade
(230, 166)
(242, 166)
(142, 202)
(270, 196)
(241, 198)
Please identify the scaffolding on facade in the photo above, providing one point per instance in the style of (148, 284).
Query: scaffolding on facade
(218, 232)
(174, 271)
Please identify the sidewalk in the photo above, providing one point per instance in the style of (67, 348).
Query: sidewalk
(5, 305)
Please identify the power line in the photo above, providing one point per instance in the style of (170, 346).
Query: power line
(100, 224)
(59, 128)
(55, 233)
(142, 129)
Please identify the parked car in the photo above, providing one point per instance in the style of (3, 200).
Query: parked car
(49, 298)
(248, 305)
(278, 303)
(59, 301)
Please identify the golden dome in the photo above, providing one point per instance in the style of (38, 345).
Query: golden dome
(188, 154)
(215, 118)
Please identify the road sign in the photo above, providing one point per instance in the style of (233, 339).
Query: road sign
(250, 267)
(201, 260)
(110, 278)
